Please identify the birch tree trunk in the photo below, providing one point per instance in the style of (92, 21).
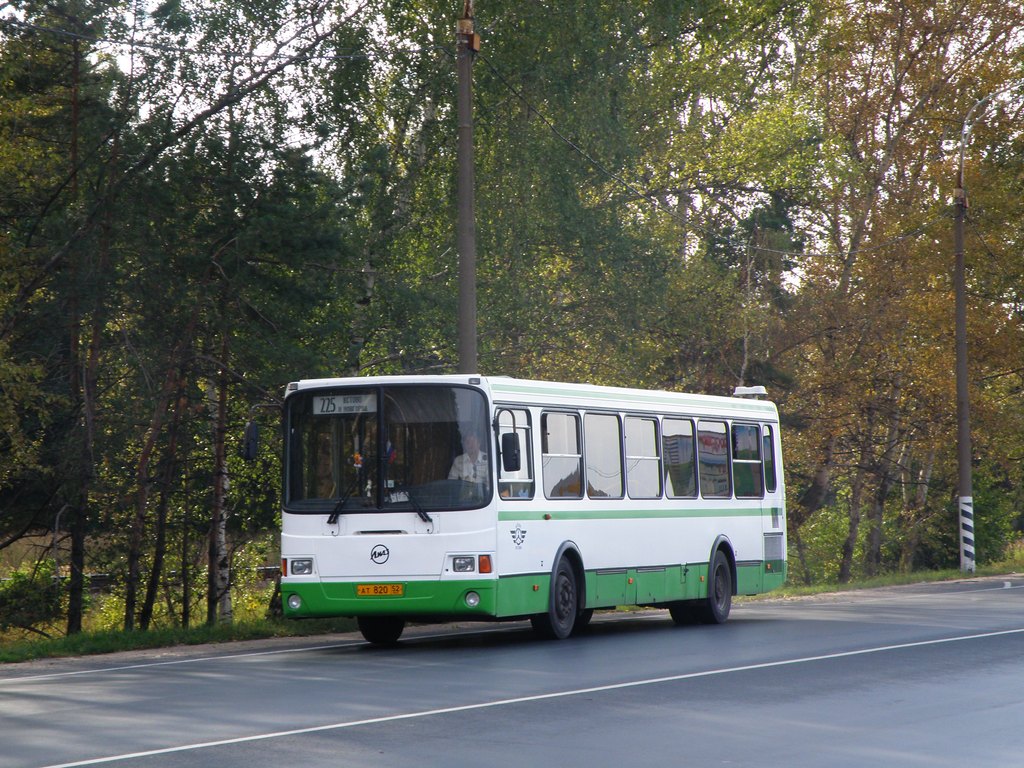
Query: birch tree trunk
(886, 477)
(856, 492)
(913, 508)
(218, 599)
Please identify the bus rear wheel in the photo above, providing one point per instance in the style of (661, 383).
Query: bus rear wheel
(684, 613)
(719, 602)
(563, 606)
(381, 630)
(582, 621)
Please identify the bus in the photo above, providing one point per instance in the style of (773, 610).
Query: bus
(459, 497)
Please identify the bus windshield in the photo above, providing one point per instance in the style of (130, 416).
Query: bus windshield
(421, 448)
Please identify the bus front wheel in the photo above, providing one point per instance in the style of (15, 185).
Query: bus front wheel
(381, 630)
(563, 606)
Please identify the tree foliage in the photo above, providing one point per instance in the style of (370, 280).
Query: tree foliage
(201, 202)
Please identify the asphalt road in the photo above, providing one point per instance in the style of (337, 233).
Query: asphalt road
(928, 675)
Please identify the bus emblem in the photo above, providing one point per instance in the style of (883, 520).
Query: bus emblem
(518, 536)
(379, 554)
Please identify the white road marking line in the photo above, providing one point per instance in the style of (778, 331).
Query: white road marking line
(623, 616)
(533, 698)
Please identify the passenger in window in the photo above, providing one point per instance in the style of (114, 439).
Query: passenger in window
(515, 491)
(471, 465)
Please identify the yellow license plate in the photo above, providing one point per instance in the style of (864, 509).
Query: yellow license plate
(380, 590)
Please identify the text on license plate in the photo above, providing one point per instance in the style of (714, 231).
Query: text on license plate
(380, 590)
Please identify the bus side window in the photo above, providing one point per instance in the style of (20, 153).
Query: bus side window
(747, 472)
(562, 459)
(713, 459)
(603, 447)
(517, 484)
(770, 482)
(643, 460)
(680, 458)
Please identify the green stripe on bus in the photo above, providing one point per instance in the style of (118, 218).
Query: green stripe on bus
(550, 513)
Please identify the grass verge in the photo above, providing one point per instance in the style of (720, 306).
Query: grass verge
(896, 579)
(90, 643)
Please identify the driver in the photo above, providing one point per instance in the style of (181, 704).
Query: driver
(471, 465)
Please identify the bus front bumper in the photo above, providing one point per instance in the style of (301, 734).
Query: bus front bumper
(463, 597)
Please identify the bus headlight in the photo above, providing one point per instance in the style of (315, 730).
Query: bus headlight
(463, 564)
(472, 599)
(303, 567)
(294, 602)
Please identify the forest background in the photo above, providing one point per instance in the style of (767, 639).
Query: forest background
(200, 202)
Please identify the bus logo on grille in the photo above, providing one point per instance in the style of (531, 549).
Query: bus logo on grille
(379, 554)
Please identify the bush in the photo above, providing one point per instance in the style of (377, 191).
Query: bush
(31, 600)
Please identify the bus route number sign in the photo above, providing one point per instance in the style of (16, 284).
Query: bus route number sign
(339, 405)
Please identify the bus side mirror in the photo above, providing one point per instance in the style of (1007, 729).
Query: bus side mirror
(251, 441)
(510, 460)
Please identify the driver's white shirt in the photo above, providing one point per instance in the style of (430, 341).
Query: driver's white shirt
(464, 468)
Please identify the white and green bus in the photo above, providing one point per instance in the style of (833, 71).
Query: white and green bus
(433, 498)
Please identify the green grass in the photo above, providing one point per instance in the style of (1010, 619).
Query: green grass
(1015, 565)
(91, 643)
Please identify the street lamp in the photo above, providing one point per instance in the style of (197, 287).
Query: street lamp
(965, 497)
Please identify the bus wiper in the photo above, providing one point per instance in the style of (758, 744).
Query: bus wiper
(420, 510)
(405, 494)
(336, 512)
(342, 500)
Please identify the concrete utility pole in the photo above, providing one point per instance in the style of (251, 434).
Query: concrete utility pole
(467, 44)
(963, 418)
(963, 411)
